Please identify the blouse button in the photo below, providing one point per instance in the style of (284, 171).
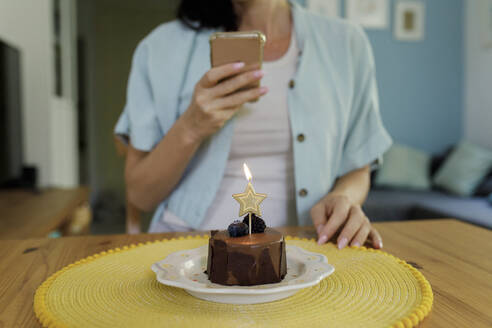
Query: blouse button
(300, 137)
(292, 84)
(303, 192)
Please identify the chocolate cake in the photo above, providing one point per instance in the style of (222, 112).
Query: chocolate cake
(246, 260)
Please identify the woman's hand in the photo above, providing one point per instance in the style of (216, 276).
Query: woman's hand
(152, 176)
(336, 212)
(216, 98)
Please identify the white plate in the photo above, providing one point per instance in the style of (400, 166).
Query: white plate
(185, 269)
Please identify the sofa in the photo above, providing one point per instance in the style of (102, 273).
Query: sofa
(408, 185)
(391, 205)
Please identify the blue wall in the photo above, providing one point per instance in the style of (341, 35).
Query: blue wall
(421, 83)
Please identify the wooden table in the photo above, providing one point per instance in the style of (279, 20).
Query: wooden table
(455, 257)
(27, 214)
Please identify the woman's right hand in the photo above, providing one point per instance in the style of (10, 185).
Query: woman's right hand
(216, 99)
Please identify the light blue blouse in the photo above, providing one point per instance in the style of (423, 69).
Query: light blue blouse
(333, 103)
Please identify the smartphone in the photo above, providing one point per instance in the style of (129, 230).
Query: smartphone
(233, 47)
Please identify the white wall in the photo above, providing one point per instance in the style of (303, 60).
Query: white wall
(478, 80)
(49, 131)
(27, 25)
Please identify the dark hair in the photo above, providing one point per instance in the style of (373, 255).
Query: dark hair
(199, 14)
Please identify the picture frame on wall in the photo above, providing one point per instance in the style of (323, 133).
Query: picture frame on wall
(370, 14)
(329, 8)
(486, 23)
(409, 21)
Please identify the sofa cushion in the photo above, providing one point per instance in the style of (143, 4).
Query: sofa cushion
(475, 210)
(464, 169)
(404, 167)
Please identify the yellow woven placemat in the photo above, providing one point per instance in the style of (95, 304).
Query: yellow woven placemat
(117, 288)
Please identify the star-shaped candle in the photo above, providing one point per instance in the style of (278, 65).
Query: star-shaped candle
(249, 201)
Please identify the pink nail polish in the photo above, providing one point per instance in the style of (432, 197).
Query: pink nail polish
(238, 65)
(342, 243)
(318, 229)
(258, 73)
(263, 90)
(356, 244)
(322, 240)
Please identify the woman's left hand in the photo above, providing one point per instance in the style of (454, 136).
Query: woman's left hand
(336, 212)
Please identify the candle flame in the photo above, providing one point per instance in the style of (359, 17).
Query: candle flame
(247, 172)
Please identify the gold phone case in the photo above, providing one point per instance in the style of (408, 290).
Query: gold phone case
(232, 47)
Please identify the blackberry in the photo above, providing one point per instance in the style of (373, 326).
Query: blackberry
(257, 223)
(238, 229)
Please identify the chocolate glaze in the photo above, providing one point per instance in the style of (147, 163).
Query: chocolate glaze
(249, 260)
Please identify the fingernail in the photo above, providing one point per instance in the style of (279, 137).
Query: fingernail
(342, 243)
(258, 73)
(323, 239)
(380, 244)
(356, 244)
(263, 90)
(318, 229)
(238, 65)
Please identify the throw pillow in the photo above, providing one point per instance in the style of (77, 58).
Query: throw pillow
(404, 167)
(464, 169)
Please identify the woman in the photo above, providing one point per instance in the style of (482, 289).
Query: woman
(309, 140)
